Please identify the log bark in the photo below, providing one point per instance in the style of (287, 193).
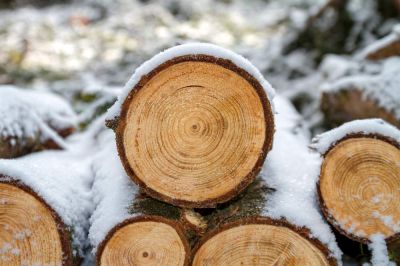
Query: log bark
(238, 232)
(195, 131)
(32, 232)
(347, 105)
(359, 186)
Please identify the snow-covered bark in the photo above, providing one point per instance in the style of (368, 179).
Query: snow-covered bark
(31, 120)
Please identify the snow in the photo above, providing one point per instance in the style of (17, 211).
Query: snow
(323, 142)
(25, 114)
(188, 49)
(113, 191)
(379, 251)
(382, 88)
(293, 171)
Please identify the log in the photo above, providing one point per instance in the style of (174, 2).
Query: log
(32, 121)
(32, 232)
(359, 184)
(363, 96)
(44, 208)
(255, 239)
(195, 126)
(146, 239)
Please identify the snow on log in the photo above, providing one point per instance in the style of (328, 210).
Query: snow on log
(127, 227)
(281, 224)
(44, 205)
(359, 184)
(386, 47)
(31, 121)
(194, 125)
(364, 96)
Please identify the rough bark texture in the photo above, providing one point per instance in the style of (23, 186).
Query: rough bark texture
(119, 125)
(347, 105)
(394, 239)
(64, 233)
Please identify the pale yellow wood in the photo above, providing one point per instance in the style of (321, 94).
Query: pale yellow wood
(360, 186)
(144, 243)
(259, 244)
(194, 131)
(28, 232)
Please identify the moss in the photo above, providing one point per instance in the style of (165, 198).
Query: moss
(149, 206)
(251, 202)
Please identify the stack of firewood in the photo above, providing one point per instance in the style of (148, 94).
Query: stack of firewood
(193, 128)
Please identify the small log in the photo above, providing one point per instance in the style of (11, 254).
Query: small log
(32, 233)
(195, 130)
(144, 240)
(157, 234)
(359, 184)
(260, 241)
(255, 239)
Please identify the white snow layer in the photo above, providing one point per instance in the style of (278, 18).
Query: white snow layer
(293, 171)
(113, 191)
(382, 88)
(324, 141)
(188, 49)
(26, 114)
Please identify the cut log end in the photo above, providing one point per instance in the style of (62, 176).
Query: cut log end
(195, 131)
(144, 241)
(30, 232)
(264, 242)
(359, 186)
